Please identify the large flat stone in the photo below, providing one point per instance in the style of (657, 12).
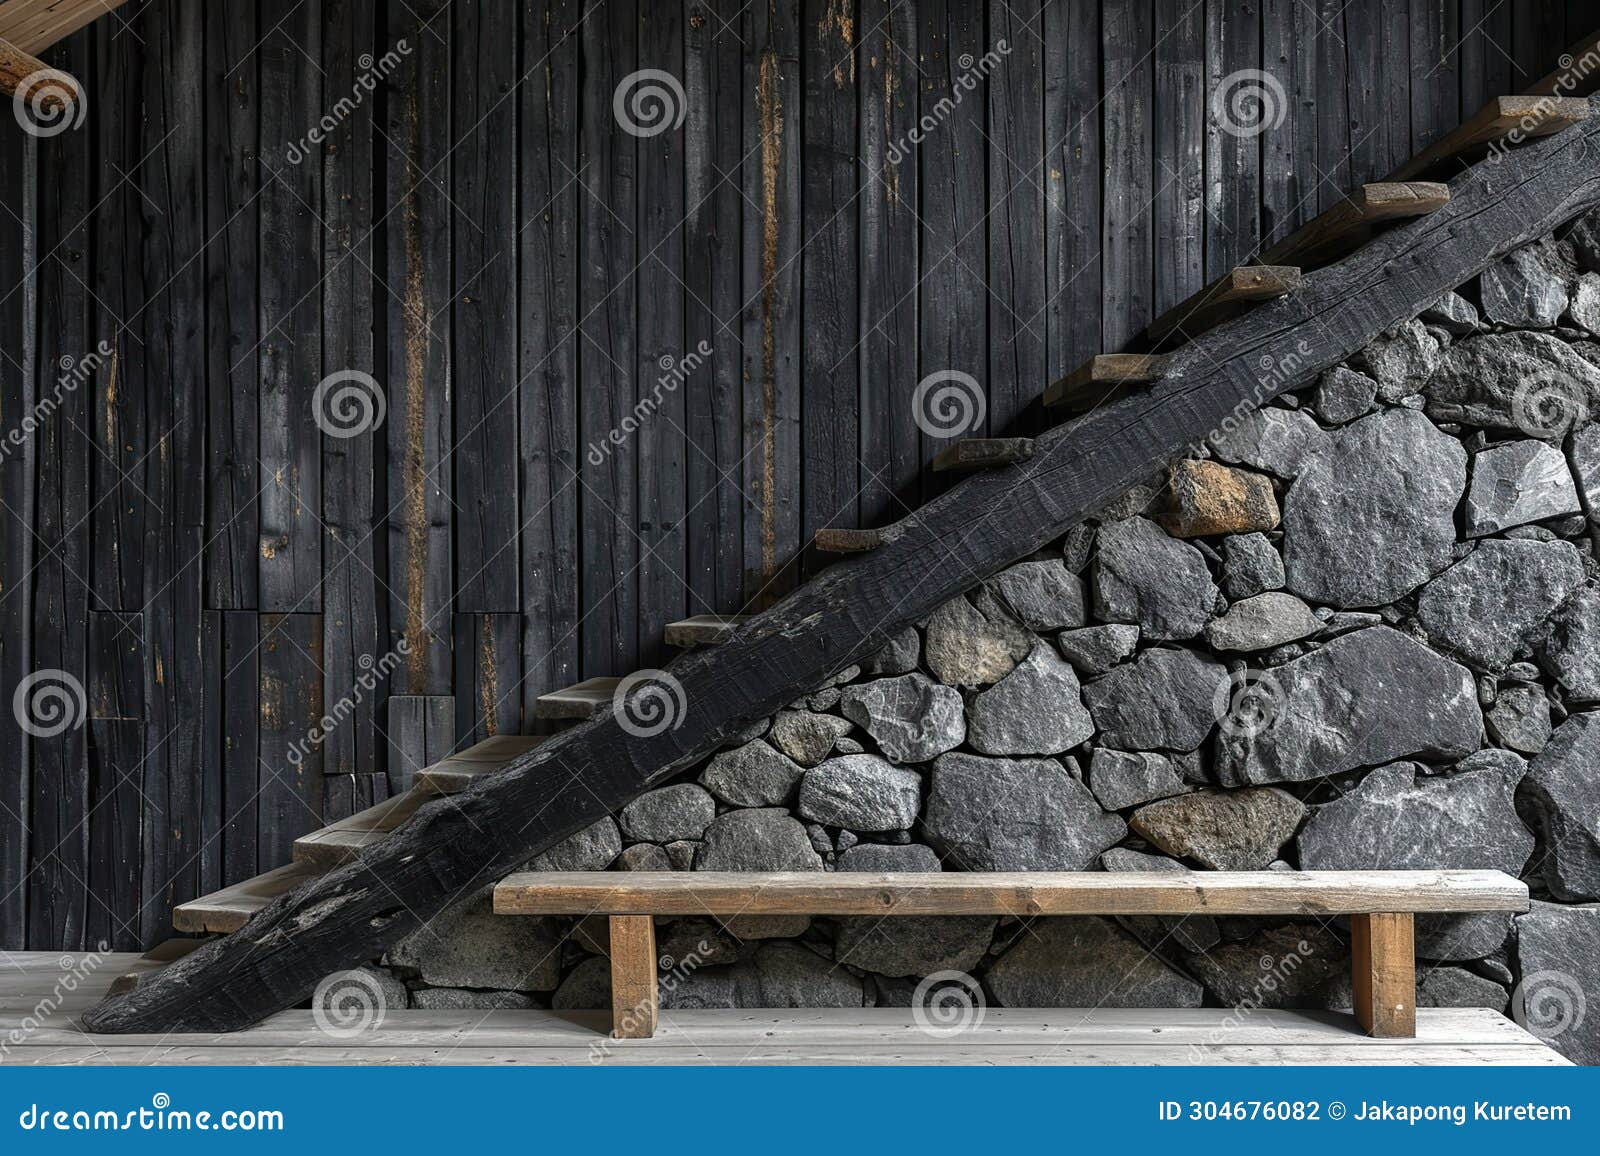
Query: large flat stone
(591, 849)
(914, 945)
(756, 840)
(1041, 595)
(912, 718)
(1532, 382)
(1037, 709)
(1162, 700)
(1558, 964)
(861, 792)
(1224, 830)
(1279, 440)
(1488, 607)
(1570, 650)
(1143, 576)
(1562, 794)
(1205, 499)
(468, 945)
(965, 647)
(1516, 483)
(680, 811)
(755, 774)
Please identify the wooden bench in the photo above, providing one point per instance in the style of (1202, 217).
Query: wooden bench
(1381, 906)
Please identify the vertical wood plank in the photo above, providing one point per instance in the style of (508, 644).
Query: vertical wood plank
(1435, 70)
(829, 293)
(633, 977)
(1384, 977)
(421, 732)
(488, 699)
(240, 708)
(290, 203)
(1014, 63)
(117, 812)
(1179, 141)
(483, 212)
(1333, 105)
(548, 347)
(1074, 188)
(771, 311)
(890, 447)
(1233, 178)
(290, 703)
(1128, 234)
(1289, 177)
(1485, 64)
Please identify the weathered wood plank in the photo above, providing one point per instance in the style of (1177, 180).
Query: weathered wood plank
(1238, 107)
(1003, 893)
(1576, 73)
(1225, 297)
(633, 977)
(1349, 223)
(460, 770)
(1179, 144)
(239, 767)
(34, 25)
(1505, 121)
(1073, 185)
(422, 731)
(488, 676)
(290, 704)
(848, 541)
(979, 453)
(1127, 230)
(703, 629)
(1384, 975)
(339, 842)
(852, 609)
(227, 910)
(1102, 378)
(580, 701)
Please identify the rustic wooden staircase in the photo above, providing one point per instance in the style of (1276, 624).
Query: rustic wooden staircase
(740, 669)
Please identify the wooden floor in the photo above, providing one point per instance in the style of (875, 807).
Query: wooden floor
(860, 1036)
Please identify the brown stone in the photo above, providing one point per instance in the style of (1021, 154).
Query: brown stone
(1204, 498)
(1224, 830)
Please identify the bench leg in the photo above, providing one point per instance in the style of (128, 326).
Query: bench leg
(633, 977)
(1383, 954)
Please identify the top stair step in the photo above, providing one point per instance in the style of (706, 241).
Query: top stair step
(1504, 121)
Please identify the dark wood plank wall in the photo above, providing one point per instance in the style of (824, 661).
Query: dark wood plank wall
(193, 547)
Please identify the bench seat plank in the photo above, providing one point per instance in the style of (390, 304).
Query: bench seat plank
(1007, 893)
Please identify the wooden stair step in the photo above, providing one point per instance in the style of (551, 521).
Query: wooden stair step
(1227, 296)
(703, 629)
(847, 541)
(1349, 224)
(1504, 121)
(580, 701)
(166, 952)
(980, 453)
(225, 911)
(1103, 378)
(344, 839)
(457, 772)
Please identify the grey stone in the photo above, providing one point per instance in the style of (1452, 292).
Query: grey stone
(1527, 289)
(1077, 547)
(586, 987)
(469, 946)
(706, 988)
(1399, 360)
(1301, 965)
(1187, 932)
(1262, 622)
(644, 857)
(914, 945)
(1372, 518)
(1086, 962)
(823, 700)
(1096, 649)
(1162, 700)
(1585, 307)
(1342, 395)
(681, 811)
(883, 857)
(1528, 381)
(1398, 819)
(1143, 576)
(692, 943)
(1121, 779)
(681, 853)
(754, 775)
(806, 736)
(862, 792)
(1584, 237)
(756, 840)
(1224, 830)
(1275, 440)
(1520, 719)
(1562, 794)
(1570, 650)
(1453, 313)
(1458, 987)
(1251, 565)
(1037, 709)
(1205, 499)
(899, 657)
(457, 999)
(1014, 815)
(787, 975)
(1518, 482)
(591, 849)
(1040, 595)
(360, 993)
(1470, 936)
(766, 926)
(848, 746)
(820, 842)
(1584, 450)
(1364, 698)
(965, 648)
(911, 718)
(1487, 608)
(1558, 962)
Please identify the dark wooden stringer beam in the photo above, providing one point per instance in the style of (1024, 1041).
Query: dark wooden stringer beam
(453, 846)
